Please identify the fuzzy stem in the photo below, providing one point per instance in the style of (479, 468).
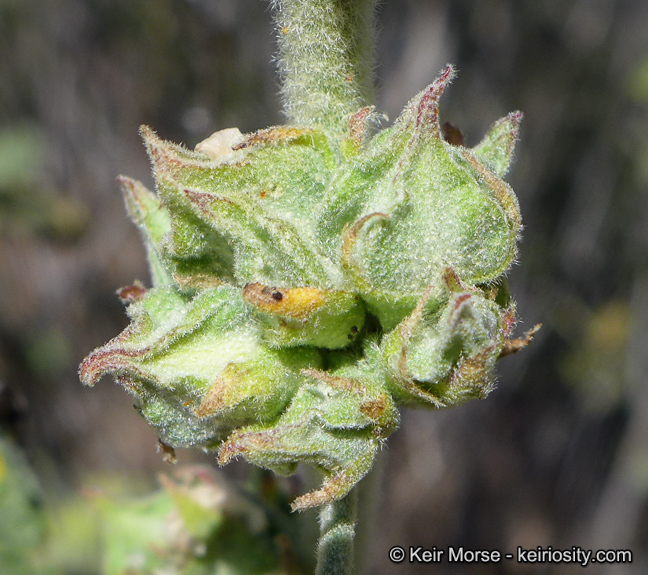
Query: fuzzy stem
(337, 530)
(325, 60)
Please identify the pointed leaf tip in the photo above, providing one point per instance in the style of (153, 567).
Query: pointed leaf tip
(167, 158)
(138, 199)
(154, 145)
(427, 116)
(495, 151)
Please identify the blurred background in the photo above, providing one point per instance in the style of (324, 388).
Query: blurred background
(558, 455)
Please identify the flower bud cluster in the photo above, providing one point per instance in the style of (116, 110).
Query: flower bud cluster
(305, 285)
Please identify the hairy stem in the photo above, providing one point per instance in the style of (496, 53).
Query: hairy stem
(337, 530)
(325, 59)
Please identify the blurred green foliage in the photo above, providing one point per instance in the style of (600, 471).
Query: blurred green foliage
(197, 524)
(596, 365)
(22, 517)
(25, 203)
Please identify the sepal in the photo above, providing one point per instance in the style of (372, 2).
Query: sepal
(154, 223)
(336, 422)
(495, 151)
(444, 352)
(198, 366)
(239, 208)
(411, 204)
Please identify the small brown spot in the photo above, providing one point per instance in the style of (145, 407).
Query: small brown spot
(263, 194)
(374, 408)
(131, 293)
(357, 124)
(452, 134)
(461, 299)
(168, 453)
(277, 295)
(349, 78)
(354, 329)
(284, 30)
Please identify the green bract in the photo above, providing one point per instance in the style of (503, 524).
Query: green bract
(304, 284)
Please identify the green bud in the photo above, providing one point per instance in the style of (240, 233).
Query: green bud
(241, 216)
(198, 366)
(335, 422)
(443, 353)
(410, 205)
